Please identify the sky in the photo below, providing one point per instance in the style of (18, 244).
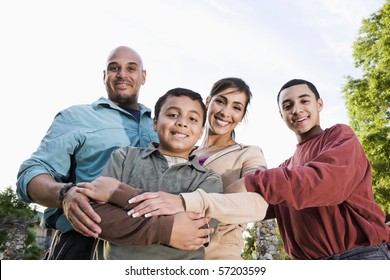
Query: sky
(53, 55)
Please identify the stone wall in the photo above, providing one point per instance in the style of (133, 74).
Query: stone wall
(266, 240)
(16, 230)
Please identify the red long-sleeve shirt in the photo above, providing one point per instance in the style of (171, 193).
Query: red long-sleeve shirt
(322, 196)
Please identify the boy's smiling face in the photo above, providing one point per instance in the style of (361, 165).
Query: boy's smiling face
(179, 125)
(301, 111)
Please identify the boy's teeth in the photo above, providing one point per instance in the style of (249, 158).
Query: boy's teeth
(179, 135)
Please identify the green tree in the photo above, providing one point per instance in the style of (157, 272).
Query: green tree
(250, 244)
(13, 210)
(368, 98)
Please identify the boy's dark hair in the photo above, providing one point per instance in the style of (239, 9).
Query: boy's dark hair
(180, 92)
(295, 82)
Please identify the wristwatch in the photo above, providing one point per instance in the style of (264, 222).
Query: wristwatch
(65, 188)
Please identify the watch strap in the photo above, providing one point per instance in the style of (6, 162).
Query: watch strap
(64, 189)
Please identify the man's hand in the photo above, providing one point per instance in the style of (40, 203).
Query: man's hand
(187, 232)
(81, 214)
(44, 190)
(156, 204)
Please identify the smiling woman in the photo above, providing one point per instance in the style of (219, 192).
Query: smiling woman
(227, 106)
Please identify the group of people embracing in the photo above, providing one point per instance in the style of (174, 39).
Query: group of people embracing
(121, 184)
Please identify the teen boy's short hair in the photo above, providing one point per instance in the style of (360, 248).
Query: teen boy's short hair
(295, 82)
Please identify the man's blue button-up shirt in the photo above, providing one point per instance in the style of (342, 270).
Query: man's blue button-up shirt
(79, 143)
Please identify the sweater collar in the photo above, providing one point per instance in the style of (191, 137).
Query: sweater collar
(153, 148)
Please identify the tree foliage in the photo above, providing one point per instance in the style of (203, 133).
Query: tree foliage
(249, 252)
(368, 98)
(12, 206)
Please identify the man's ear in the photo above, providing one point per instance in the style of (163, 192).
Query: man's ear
(320, 103)
(143, 77)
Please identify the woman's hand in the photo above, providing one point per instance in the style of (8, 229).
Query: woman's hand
(156, 204)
